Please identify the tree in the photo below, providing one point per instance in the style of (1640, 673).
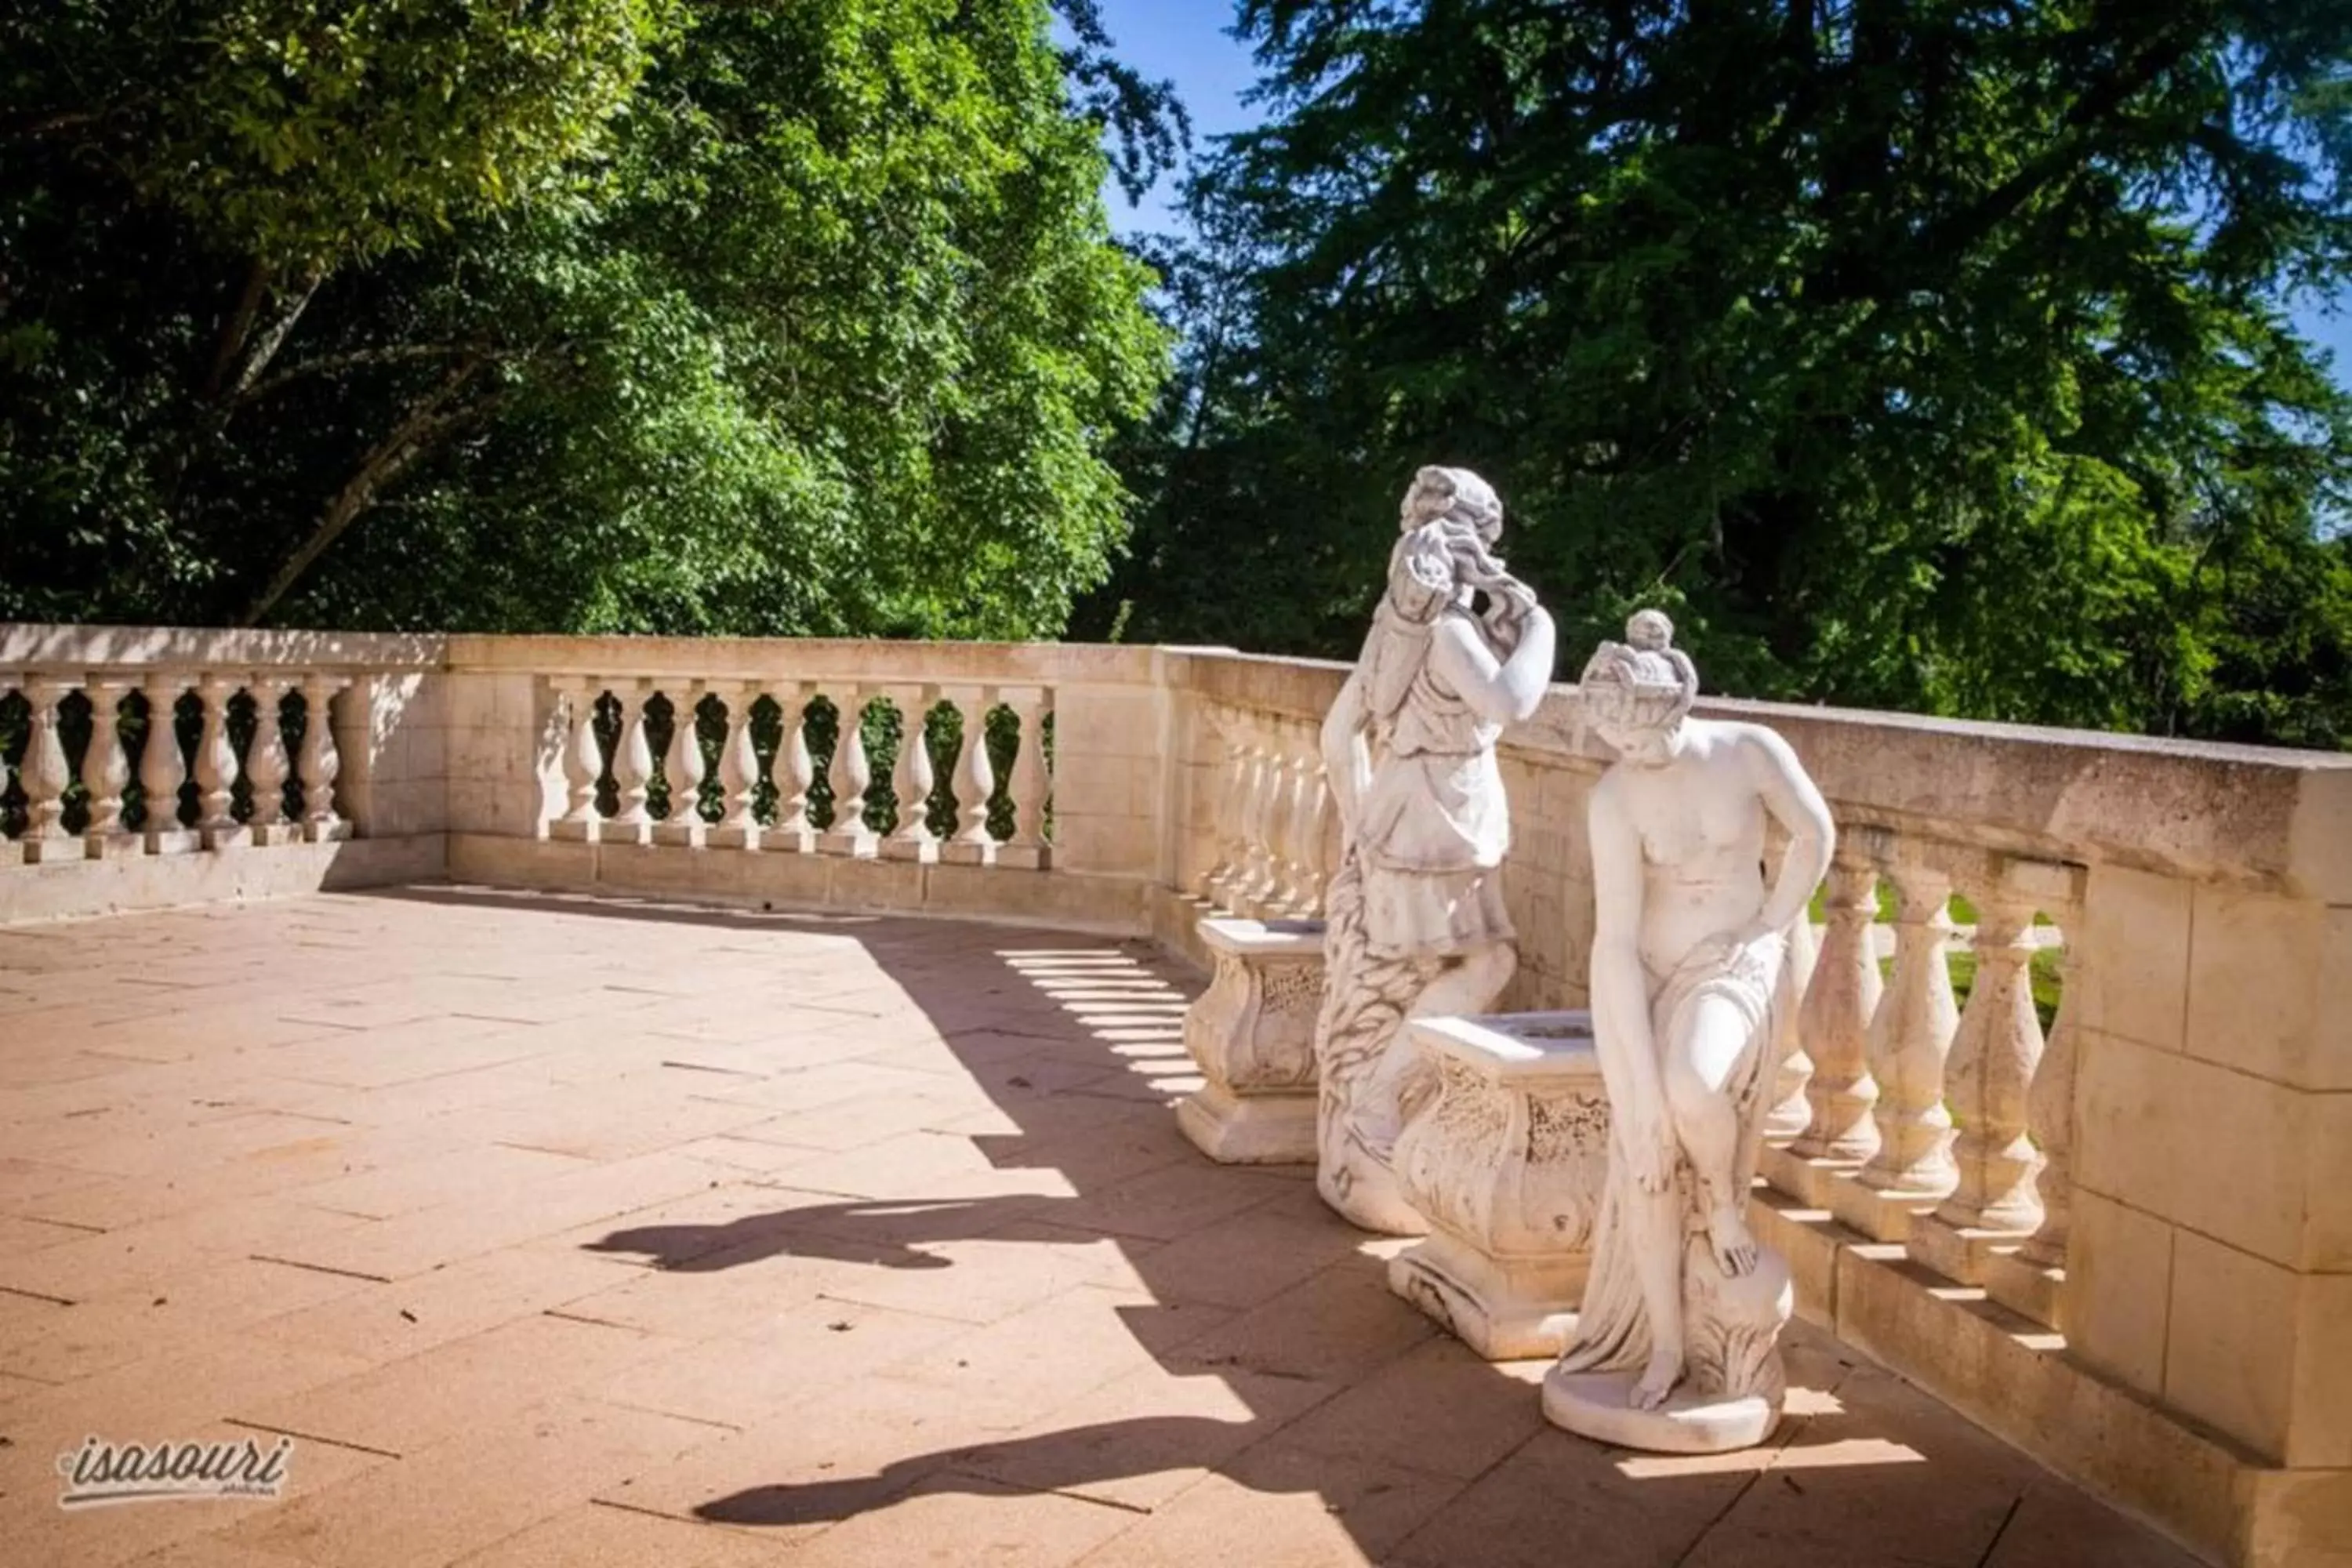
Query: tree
(1914, 353)
(606, 314)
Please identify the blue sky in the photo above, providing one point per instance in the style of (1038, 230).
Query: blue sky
(1186, 41)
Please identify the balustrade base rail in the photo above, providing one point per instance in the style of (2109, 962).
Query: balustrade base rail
(126, 884)
(790, 880)
(2013, 1376)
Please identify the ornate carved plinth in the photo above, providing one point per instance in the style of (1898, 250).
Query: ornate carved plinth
(1507, 1167)
(1252, 1035)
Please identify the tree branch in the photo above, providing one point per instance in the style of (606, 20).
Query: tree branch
(273, 337)
(237, 328)
(2075, 142)
(428, 421)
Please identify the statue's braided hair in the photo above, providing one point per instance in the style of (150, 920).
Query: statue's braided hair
(1449, 522)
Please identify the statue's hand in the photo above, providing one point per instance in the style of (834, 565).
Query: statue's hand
(1735, 950)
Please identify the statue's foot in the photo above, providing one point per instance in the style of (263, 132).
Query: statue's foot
(1658, 1380)
(1734, 1247)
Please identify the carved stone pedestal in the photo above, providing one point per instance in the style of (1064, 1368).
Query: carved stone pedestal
(1507, 1167)
(1252, 1035)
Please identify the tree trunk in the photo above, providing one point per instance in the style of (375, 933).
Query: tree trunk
(429, 421)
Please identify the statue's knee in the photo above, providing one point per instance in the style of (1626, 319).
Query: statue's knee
(1686, 1092)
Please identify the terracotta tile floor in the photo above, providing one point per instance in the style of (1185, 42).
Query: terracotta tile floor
(576, 1233)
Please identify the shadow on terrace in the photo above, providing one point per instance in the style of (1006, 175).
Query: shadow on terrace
(1036, 1289)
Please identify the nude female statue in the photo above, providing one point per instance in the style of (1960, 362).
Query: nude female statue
(1689, 973)
(1417, 924)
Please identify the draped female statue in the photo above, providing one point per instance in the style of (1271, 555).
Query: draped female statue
(1676, 1343)
(1458, 648)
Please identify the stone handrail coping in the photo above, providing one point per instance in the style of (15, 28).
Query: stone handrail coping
(2257, 817)
(76, 649)
(1515, 1047)
(815, 659)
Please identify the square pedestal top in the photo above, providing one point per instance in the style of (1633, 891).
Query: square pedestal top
(1237, 934)
(1516, 1047)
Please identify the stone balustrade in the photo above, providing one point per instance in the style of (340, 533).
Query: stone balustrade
(150, 766)
(722, 788)
(2122, 1236)
(1274, 829)
(212, 794)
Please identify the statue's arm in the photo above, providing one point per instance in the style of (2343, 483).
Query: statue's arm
(1347, 759)
(1502, 692)
(1794, 802)
(1620, 995)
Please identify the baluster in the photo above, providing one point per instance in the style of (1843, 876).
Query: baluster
(1835, 1019)
(739, 773)
(1910, 1037)
(795, 773)
(1248, 786)
(1306, 821)
(851, 775)
(1791, 1111)
(584, 765)
(106, 773)
(975, 780)
(913, 778)
(266, 766)
(1225, 808)
(10, 680)
(2050, 1116)
(1266, 846)
(632, 770)
(1994, 1054)
(217, 768)
(1028, 847)
(163, 769)
(1256, 875)
(683, 771)
(1273, 886)
(322, 760)
(47, 776)
(1295, 895)
(1273, 825)
(1316, 830)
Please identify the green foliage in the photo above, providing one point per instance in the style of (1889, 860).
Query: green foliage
(312, 133)
(592, 315)
(1912, 354)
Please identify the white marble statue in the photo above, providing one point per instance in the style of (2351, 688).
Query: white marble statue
(1415, 912)
(1676, 1344)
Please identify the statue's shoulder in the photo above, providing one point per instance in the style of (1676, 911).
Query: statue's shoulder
(1742, 736)
(1610, 790)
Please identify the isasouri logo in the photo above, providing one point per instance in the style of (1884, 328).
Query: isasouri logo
(101, 1472)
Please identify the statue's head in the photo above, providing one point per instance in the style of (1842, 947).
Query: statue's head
(1637, 693)
(1454, 496)
(1447, 528)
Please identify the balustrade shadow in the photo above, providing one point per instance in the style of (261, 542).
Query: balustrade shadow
(1421, 1452)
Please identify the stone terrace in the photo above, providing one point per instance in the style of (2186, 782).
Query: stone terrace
(582, 1231)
